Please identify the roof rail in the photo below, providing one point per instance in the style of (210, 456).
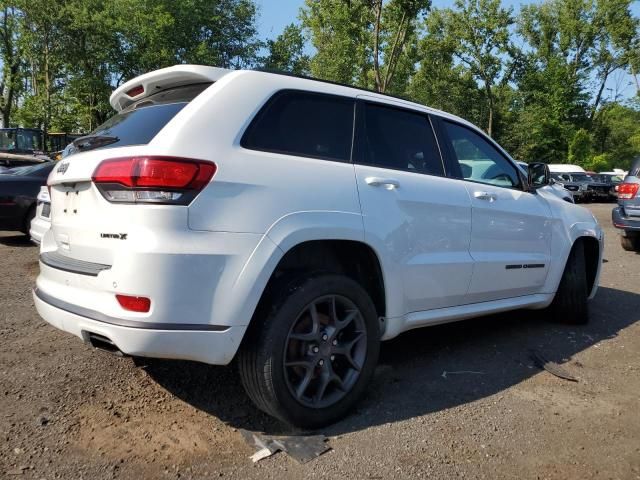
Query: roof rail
(307, 77)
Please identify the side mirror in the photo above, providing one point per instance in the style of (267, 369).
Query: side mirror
(539, 175)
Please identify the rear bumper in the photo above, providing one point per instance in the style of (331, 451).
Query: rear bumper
(201, 343)
(38, 228)
(625, 223)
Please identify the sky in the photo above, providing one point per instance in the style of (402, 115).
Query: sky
(276, 14)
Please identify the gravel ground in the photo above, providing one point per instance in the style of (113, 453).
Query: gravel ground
(67, 411)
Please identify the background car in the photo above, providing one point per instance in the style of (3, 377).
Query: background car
(612, 180)
(577, 189)
(18, 193)
(42, 221)
(626, 216)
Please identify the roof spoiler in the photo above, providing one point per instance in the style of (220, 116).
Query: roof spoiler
(149, 83)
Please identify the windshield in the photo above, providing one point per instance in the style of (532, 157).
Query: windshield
(140, 122)
(581, 177)
(19, 140)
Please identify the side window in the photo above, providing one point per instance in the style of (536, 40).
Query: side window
(304, 124)
(479, 160)
(399, 139)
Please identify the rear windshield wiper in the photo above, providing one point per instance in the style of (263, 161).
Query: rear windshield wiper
(89, 142)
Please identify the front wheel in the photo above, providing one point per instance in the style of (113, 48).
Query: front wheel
(311, 351)
(570, 304)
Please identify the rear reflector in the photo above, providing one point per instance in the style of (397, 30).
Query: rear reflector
(152, 179)
(134, 304)
(627, 190)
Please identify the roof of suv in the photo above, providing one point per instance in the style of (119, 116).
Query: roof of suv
(152, 82)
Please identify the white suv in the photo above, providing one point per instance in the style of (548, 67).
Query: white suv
(293, 224)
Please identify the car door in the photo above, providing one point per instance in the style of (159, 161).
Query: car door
(510, 228)
(417, 219)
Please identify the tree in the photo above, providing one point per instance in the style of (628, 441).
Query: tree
(11, 55)
(286, 52)
(580, 148)
(616, 131)
(480, 30)
(363, 42)
(438, 81)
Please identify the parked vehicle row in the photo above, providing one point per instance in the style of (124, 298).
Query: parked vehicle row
(584, 186)
(293, 224)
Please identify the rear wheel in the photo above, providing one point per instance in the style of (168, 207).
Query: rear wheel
(570, 304)
(630, 243)
(311, 352)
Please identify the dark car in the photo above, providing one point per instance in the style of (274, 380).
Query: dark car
(626, 216)
(598, 188)
(19, 188)
(577, 189)
(611, 180)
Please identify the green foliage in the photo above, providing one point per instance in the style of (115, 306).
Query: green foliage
(286, 52)
(600, 163)
(73, 53)
(580, 148)
(368, 43)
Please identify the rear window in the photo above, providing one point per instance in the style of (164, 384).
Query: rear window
(141, 121)
(40, 170)
(303, 124)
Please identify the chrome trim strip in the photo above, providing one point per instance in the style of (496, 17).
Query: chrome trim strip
(72, 265)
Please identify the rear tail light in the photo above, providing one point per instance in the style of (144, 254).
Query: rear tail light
(134, 304)
(165, 180)
(627, 190)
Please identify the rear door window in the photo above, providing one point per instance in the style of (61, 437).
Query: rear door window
(399, 139)
(303, 124)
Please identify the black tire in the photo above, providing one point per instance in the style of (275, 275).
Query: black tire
(26, 226)
(570, 304)
(630, 243)
(268, 344)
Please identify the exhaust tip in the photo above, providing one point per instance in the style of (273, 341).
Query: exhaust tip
(102, 343)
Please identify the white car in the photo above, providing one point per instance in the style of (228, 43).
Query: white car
(42, 220)
(293, 224)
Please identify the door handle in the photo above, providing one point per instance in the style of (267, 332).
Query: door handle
(387, 183)
(491, 197)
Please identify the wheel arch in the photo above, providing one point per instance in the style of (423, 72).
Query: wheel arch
(352, 258)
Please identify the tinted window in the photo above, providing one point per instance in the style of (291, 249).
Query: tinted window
(479, 160)
(304, 124)
(399, 139)
(140, 122)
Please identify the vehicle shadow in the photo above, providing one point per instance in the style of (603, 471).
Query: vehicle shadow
(18, 240)
(410, 379)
